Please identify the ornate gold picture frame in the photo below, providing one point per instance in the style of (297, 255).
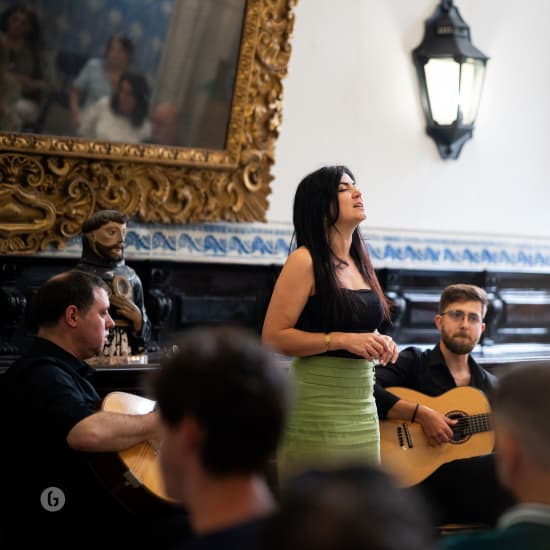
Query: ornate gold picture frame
(49, 184)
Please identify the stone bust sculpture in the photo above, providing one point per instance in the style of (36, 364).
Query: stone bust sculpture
(103, 237)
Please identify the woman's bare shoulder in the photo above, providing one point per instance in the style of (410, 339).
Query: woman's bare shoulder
(297, 273)
(301, 256)
(299, 260)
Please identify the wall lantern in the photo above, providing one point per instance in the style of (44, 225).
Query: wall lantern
(450, 72)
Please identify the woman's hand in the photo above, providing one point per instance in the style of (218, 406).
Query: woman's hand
(392, 352)
(371, 345)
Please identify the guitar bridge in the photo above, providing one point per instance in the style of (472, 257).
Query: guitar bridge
(131, 479)
(404, 436)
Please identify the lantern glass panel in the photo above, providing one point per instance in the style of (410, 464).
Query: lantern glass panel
(471, 82)
(443, 86)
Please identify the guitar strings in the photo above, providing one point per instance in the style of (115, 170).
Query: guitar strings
(473, 423)
(141, 462)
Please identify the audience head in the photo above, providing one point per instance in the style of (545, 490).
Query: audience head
(103, 234)
(521, 408)
(131, 97)
(223, 404)
(163, 123)
(352, 508)
(119, 51)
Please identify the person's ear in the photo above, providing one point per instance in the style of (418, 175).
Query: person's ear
(71, 316)
(437, 321)
(192, 432)
(509, 457)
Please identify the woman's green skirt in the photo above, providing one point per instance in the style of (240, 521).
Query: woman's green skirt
(334, 420)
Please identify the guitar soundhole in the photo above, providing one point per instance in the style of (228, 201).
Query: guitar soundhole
(460, 429)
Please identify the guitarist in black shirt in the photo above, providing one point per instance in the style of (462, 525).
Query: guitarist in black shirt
(52, 425)
(465, 490)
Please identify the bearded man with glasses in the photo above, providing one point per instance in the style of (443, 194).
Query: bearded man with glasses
(465, 490)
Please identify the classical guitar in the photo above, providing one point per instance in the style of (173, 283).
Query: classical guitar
(132, 475)
(405, 450)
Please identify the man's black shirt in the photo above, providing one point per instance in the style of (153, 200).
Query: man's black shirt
(44, 395)
(424, 371)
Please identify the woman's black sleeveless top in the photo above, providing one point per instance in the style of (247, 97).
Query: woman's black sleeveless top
(365, 315)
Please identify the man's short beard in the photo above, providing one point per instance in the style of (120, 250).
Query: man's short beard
(461, 347)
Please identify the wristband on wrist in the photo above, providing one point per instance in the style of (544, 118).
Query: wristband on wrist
(413, 417)
(327, 340)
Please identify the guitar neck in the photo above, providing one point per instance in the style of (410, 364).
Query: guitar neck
(473, 424)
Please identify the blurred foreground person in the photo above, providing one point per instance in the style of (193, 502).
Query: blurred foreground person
(223, 404)
(521, 409)
(356, 507)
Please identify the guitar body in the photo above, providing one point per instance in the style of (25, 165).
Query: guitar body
(405, 451)
(132, 475)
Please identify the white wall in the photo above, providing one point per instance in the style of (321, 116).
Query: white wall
(351, 97)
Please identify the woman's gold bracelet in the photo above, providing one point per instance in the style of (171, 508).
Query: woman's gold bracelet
(327, 340)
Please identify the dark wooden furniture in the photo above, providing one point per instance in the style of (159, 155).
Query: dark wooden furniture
(183, 295)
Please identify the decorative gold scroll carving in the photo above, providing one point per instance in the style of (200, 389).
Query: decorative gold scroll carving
(49, 185)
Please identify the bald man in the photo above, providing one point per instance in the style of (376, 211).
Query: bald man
(163, 124)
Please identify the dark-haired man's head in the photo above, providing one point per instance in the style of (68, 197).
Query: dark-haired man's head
(350, 508)
(223, 403)
(520, 412)
(71, 309)
(62, 290)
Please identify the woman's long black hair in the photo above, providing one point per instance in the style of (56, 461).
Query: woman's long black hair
(140, 91)
(315, 212)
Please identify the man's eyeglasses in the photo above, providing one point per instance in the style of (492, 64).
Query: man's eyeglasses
(458, 316)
